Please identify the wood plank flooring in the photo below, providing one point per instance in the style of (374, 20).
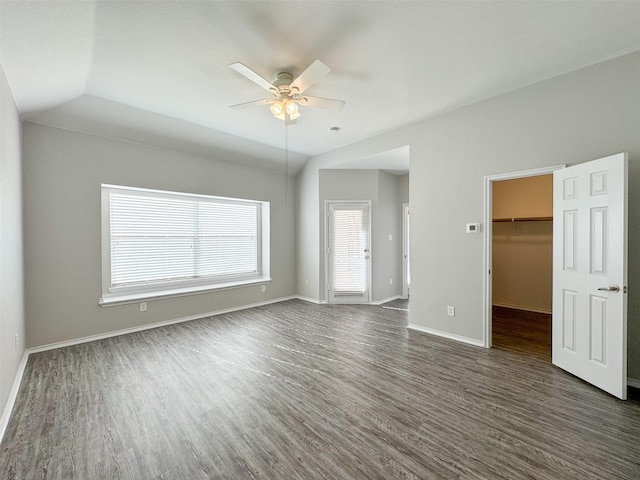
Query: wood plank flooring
(301, 391)
(398, 304)
(521, 331)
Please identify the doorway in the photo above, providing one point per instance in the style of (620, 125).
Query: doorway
(589, 271)
(518, 261)
(406, 264)
(522, 265)
(349, 252)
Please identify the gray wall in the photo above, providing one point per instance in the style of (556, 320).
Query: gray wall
(387, 253)
(383, 190)
(63, 171)
(574, 118)
(404, 188)
(308, 261)
(12, 320)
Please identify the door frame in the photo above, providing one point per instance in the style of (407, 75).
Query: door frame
(487, 287)
(405, 250)
(326, 245)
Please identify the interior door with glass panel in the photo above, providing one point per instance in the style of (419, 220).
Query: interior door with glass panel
(348, 252)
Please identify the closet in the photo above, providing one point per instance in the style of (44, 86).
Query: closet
(522, 245)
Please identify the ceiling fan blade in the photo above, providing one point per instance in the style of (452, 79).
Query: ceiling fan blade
(253, 76)
(320, 102)
(313, 73)
(255, 103)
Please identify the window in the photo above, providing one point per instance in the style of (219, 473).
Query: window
(157, 243)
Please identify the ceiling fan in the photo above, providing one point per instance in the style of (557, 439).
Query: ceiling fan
(287, 92)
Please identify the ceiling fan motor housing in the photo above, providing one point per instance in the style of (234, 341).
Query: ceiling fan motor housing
(282, 84)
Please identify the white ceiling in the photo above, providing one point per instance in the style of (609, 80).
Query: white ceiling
(158, 71)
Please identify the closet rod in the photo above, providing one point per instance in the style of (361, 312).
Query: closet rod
(523, 219)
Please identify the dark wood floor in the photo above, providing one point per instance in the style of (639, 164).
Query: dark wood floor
(302, 391)
(523, 332)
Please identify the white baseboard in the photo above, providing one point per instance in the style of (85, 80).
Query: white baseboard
(323, 302)
(13, 395)
(450, 336)
(520, 307)
(380, 302)
(310, 300)
(632, 382)
(116, 333)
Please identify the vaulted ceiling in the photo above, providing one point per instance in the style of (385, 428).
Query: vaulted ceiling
(158, 71)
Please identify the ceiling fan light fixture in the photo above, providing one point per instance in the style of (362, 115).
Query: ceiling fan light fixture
(285, 108)
(286, 117)
(277, 108)
(292, 108)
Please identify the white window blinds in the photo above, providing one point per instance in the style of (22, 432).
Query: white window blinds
(349, 251)
(158, 238)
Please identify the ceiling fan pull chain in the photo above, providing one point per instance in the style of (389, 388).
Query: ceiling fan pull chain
(286, 162)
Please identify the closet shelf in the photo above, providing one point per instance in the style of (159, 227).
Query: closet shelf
(524, 219)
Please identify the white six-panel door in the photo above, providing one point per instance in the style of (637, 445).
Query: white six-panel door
(589, 332)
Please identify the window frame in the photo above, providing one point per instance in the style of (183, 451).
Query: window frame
(118, 295)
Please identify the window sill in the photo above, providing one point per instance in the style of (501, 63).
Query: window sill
(123, 299)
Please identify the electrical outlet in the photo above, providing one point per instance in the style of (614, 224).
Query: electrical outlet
(451, 311)
(391, 281)
(17, 340)
(143, 307)
(390, 236)
(306, 281)
(264, 288)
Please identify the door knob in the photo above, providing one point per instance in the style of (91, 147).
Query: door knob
(610, 288)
